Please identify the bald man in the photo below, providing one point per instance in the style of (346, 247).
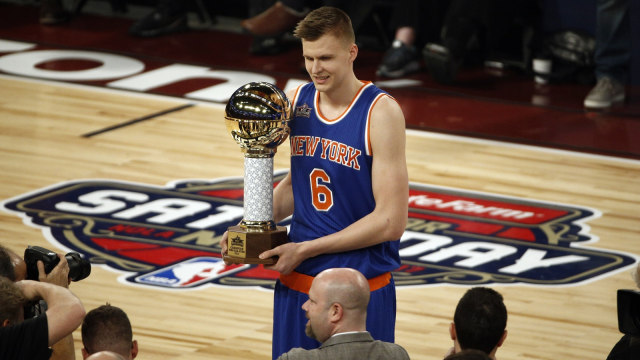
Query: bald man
(337, 313)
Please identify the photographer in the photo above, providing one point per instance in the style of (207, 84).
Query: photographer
(14, 267)
(31, 338)
(628, 347)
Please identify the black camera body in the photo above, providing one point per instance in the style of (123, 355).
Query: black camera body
(79, 268)
(629, 312)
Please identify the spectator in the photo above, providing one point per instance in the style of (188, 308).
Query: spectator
(31, 338)
(107, 328)
(277, 19)
(337, 312)
(479, 322)
(612, 55)
(168, 16)
(269, 26)
(489, 24)
(413, 22)
(52, 12)
(13, 267)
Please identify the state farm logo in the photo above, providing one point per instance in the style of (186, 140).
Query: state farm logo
(168, 237)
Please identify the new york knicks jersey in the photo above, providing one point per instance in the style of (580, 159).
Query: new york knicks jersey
(331, 179)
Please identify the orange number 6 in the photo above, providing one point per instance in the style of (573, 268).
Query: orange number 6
(321, 195)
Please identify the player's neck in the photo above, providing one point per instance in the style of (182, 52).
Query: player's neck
(341, 96)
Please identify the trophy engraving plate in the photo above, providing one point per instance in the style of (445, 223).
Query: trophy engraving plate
(237, 243)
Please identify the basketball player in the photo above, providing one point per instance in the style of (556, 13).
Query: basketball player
(348, 184)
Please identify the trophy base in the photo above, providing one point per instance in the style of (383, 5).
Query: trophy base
(244, 246)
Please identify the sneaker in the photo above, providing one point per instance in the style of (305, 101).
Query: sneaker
(441, 64)
(267, 45)
(606, 92)
(398, 61)
(52, 12)
(159, 22)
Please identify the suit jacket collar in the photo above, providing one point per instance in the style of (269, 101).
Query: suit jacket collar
(363, 336)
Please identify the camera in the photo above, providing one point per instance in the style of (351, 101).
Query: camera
(79, 268)
(629, 312)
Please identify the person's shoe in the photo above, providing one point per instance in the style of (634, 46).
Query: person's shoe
(159, 22)
(606, 92)
(442, 65)
(52, 12)
(267, 45)
(274, 21)
(398, 61)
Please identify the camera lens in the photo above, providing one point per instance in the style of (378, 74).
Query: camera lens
(79, 268)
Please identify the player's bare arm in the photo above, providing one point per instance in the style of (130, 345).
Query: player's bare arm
(283, 193)
(283, 199)
(390, 187)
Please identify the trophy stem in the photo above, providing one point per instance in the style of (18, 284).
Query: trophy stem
(258, 189)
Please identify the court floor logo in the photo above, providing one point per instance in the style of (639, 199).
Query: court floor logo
(168, 237)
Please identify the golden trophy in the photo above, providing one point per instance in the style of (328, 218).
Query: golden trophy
(257, 117)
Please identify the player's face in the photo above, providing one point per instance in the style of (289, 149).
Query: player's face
(328, 61)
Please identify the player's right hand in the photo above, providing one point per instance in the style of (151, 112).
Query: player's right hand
(224, 246)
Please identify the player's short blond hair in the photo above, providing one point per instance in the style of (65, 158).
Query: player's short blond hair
(325, 20)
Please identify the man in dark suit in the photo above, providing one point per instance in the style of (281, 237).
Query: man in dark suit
(337, 312)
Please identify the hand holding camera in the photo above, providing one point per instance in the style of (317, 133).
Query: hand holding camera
(59, 275)
(45, 265)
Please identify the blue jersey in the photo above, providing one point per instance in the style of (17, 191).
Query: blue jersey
(331, 179)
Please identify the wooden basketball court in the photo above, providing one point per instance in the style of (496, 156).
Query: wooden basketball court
(43, 130)
(53, 132)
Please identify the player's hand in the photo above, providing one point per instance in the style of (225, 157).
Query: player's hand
(289, 257)
(224, 246)
(59, 275)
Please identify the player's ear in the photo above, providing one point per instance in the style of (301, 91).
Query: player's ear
(353, 52)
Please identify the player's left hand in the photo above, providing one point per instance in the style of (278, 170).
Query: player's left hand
(289, 257)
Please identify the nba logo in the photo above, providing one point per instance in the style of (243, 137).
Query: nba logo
(189, 273)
